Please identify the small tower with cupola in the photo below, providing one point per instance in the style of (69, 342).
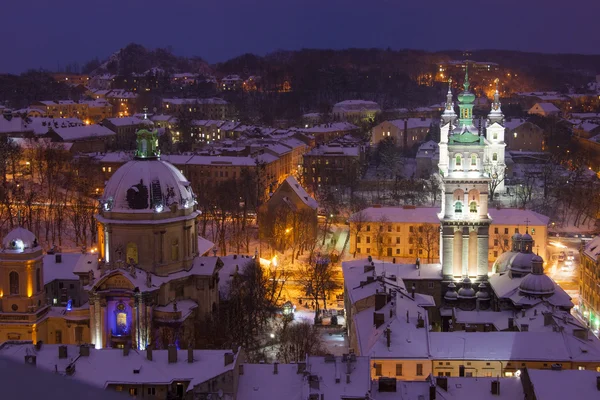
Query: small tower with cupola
(495, 164)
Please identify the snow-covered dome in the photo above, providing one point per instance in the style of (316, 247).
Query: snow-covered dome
(466, 291)
(147, 184)
(537, 283)
(521, 263)
(482, 294)
(19, 239)
(503, 262)
(526, 237)
(451, 293)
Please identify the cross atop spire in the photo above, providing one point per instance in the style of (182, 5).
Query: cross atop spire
(527, 221)
(466, 84)
(450, 85)
(145, 112)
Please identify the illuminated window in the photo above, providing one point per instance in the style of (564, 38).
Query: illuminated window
(458, 160)
(495, 135)
(13, 278)
(508, 374)
(132, 253)
(495, 157)
(109, 169)
(515, 134)
(473, 159)
(103, 169)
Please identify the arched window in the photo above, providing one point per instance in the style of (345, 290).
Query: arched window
(495, 157)
(458, 207)
(132, 253)
(13, 278)
(473, 207)
(495, 135)
(473, 159)
(38, 280)
(458, 160)
(175, 250)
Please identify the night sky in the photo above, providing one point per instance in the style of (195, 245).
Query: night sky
(42, 33)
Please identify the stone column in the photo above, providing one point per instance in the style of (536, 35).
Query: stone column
(465, 252)
(482, 253)
(104, 329)
(473, 256)
(457, 253)
(93, 321)
(446, 254)
(107, 241)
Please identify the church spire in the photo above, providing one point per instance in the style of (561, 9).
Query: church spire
(449, 115)
(496, 112)
(466, 84)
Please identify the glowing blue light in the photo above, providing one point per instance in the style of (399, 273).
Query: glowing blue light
(69, 305)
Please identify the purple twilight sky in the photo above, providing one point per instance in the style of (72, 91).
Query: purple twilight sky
(41, 33)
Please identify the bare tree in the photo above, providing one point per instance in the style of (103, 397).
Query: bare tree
(317, 280)
(358, 222)
(296, 340)
(496, 173)
(424, 240)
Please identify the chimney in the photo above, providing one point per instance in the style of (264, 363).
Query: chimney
(172, 353)
(30, 360)
(388, 337)
(301, 368)
(380, 301)
(62, 351)
(378, 319)
(149, 352)
(547, 318)
(58, 258)
(38, 345)
(496, 388)
(412, 290)
(190, 354)
(84, 350)
(228, 358)
(126, 349)
(432, 392)
(275, 368)
(524, 327)
(511, 324)
(241, 369)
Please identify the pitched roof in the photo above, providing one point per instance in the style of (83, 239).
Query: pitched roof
(301, 192)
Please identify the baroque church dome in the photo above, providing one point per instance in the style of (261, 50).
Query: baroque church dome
(151, 185)
(147, 183)
(19, 239)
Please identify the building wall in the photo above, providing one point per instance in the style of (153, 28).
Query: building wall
(365, 243)
(387, 129)
(589, 290)
(409, 369)
(526, 137)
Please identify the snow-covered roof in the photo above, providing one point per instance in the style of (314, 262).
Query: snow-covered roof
(17, 378)
(109, 366)
(62, 270)
(14, 125)
(499, 319)
(328, 369)
(411, 123)
(124, 121)
(546, 107)
(407, 340)
(506, 287)
(20, 240)
(517, 216)
(114, 157)
(525, 346)
(212, 100)
(301, 192)
(564, 384)
(514, 123)
(407, 214)
(83, 132)
(41, 125)
(331, 127)
(354, 105)
(258, 382)
(204, 245)
(333, 150)
(592, 248)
